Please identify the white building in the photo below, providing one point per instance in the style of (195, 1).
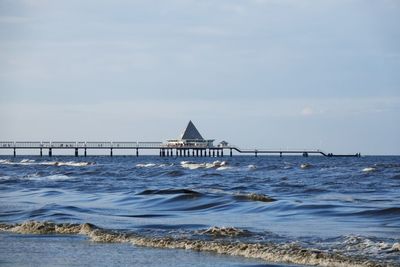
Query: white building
(190, 138)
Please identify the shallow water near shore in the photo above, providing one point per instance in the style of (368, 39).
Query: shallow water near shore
(294, 210)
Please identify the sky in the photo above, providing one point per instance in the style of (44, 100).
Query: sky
(256, 73)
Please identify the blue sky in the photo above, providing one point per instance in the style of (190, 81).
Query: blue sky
(265, 73)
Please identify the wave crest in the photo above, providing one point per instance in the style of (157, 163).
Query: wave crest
(225, 232)
(255, 197)
(288, 253)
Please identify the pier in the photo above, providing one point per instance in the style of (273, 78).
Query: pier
(189, 144)
(164, 150)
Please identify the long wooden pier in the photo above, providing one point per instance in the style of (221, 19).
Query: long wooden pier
(165, 150)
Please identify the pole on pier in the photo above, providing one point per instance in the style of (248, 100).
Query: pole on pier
(15, 152)
(85, 152)
(76, 152)
(50, 152)
(137, 152)
(230, 152)
(111, 152)
(41, 152)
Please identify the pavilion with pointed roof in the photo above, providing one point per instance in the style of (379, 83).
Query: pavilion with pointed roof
(190, 138)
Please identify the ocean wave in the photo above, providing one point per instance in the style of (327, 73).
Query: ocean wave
(68, 163)
(153, 165)
(366, 245)
(369, 169)
(305, 166)
(255, 197)
(168, 192)
(48, 163)
(225, 232)
(54, 177)
(271, 252)
(380, 212)
(146, 165)
(218, 165)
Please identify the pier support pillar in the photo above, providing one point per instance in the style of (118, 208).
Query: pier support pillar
(167, 152)
(15, 152)
(213, 154)
(137, 152)
(197, 152)
(50, 152)
(76, 152)
(230, 152)
(85, 153)
(280, 154)
(180, 152)
(160, 152)
(209, 152)
(192, 152)
(217, 152)
(305, 154)
(111, 152)
(41, 152)
(222, 152)
(256, 153)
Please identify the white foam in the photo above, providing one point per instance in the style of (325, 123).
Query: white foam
(54, 177)
(5, 178)
(219, 165)
(283, 253)
(305, 166)
(146, 165)
(68, 163)
(252, 167)
(369, 169)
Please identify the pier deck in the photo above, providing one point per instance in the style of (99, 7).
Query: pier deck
(165, 150)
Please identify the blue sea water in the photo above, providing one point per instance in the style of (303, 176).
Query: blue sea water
(347, 209)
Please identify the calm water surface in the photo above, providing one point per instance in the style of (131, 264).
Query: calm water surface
(349, 206)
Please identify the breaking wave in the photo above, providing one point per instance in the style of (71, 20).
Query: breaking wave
(224, 232)
(218, 165)
(369, 169)
(272, 252)
(48, 163)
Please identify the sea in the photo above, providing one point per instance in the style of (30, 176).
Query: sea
(199, 211)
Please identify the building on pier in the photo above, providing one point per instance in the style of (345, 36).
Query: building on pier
(191, 138)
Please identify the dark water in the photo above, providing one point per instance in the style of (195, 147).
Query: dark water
(336, 206)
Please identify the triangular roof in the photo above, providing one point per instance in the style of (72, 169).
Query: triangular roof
(191, 132)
